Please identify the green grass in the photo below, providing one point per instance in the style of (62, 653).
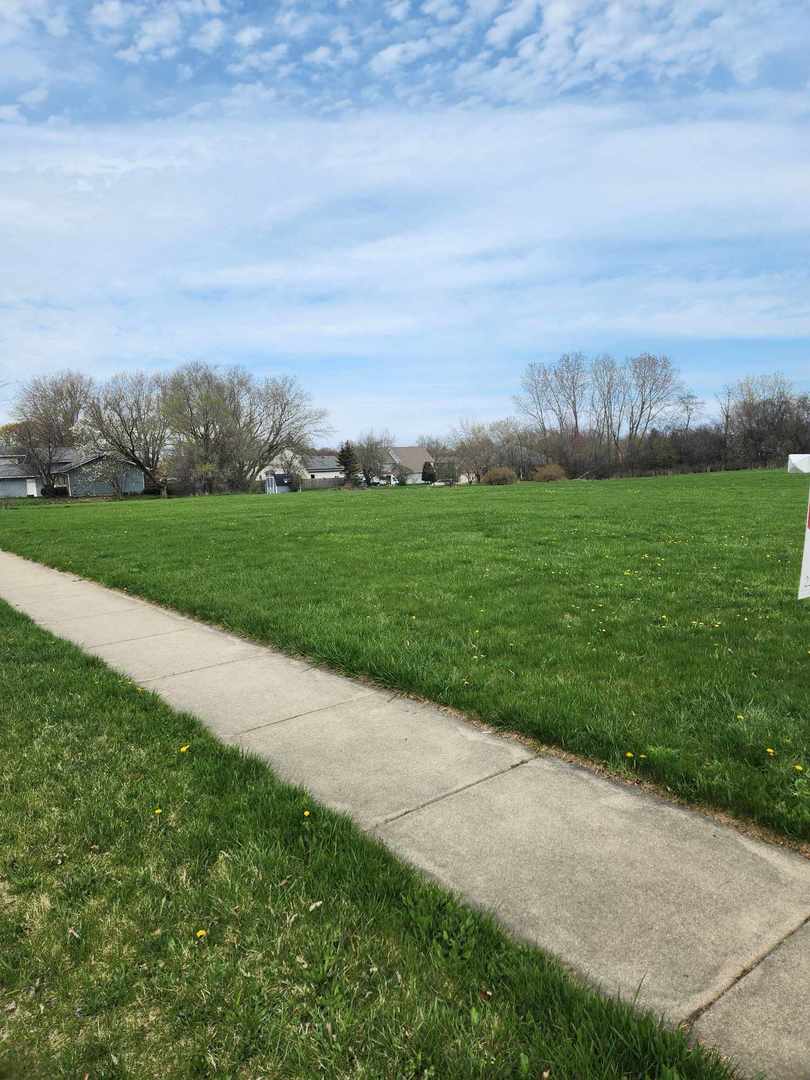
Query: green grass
(654, 617)
(322, 955)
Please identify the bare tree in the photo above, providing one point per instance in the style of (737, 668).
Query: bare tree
(654, 388)
(556, 393)
(196, 414)
(275, 415)
(49, 409)
(609, 398)
(534, 401)
(437, 446)
(231, 424)
(127, 415)
(475, 448)
(373, 453)
(689, 406)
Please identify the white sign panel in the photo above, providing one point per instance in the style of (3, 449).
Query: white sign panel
(799, 463)
(804, 582)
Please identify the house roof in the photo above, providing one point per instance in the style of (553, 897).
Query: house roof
(321, 463)
(10, 470)
(64, 459)
(411, 458)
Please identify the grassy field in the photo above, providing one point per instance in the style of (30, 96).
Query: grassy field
(649, 624)
(169, 909)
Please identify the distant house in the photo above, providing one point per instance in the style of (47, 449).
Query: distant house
(409, 461)
(80, 473)
(317, 467)
(322, 467)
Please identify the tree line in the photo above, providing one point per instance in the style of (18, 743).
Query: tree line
(204, 428)
(600, 417)
(200, 427)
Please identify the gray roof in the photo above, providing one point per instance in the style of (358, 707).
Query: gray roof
(321, 464)
(11, 471)
(411, 458)
(63, 459)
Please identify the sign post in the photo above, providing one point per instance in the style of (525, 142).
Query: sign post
(804, 581)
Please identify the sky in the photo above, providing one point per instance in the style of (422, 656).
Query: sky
(403, 202)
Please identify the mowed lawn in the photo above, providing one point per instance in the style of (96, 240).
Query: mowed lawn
(169, 909)
(650, 624)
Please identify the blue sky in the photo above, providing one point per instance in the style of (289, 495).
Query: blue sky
(404, 202)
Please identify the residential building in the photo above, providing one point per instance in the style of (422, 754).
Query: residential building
(79, 472)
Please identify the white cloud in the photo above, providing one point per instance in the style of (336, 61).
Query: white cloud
(19, 16)
(197, 7)
(395, 56)
(442, 10)
(209, 36)
(516, 18)
(10, 114)
(530, 248)
(260, 61)
(398, 9)
(248, 36)
(295, 23)
(157, 33)
(321, 55)
(34, 97)
(112, 14)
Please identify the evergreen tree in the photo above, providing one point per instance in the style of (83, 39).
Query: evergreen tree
(347, 459)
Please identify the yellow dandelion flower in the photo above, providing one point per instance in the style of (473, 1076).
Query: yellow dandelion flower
(185, 748)
(769, 750)
(740, 716)
(798, 768)
(306, 813)
(629, 754)
(157, 810)
(201, 934)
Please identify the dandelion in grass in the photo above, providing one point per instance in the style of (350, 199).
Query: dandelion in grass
(184, 749)
(798, 768)
(769, 750)
(629, 754)
(306, 813)
(157, 811)
(201, 934)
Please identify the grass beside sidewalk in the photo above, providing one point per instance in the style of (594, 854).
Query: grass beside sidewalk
(169, 909)
(651, 625)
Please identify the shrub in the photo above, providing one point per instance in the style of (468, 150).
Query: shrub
(500, 475)
(546, 473)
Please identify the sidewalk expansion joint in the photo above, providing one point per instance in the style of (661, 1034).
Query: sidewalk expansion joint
(185, 671)
(690, 1020)
(449, 794)
(297, 716)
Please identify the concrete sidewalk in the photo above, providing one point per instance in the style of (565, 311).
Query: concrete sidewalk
(646, 899)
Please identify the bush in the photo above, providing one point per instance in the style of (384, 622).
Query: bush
(501, 475)
(546, 473)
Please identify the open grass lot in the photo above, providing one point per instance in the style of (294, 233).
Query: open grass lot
(655, 618)
(243, 931)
